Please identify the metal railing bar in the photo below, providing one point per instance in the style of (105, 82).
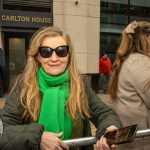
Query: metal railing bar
(142, 133)
(81, 141)
(92, 139)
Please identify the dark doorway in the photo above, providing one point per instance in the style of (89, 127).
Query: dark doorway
(15, 48)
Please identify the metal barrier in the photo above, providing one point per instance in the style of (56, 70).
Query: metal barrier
(92, 140)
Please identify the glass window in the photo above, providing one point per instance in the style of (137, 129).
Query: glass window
(113, 8)
(114, 16)
(28, 5)
(26, 8)
(17, 56)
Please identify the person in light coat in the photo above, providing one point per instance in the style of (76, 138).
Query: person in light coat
(129, 86)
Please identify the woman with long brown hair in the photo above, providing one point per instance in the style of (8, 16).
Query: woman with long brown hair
(51, 101)
(129, 86)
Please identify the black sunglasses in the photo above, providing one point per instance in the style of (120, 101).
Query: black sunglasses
(60, 51)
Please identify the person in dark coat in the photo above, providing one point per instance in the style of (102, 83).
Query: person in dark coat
(51, 101)
(2, 72)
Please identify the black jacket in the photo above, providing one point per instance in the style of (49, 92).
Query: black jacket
(26, 135)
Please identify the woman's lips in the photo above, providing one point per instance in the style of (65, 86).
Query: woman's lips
(54, 65)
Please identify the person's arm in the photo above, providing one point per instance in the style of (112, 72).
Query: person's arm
(17, 134)
(102, 116)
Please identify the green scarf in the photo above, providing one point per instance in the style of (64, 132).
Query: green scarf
(53, 114)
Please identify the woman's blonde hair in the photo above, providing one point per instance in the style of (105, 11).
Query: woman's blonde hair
(134, 40)
(30, 96)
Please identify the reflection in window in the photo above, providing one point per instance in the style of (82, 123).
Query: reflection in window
(113, 8)
(109, 44)
(110, 39)
(133, 10)
(139, 11)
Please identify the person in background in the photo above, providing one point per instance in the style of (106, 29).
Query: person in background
(105, 66)
(2, 72)
(51, 101)
(129, 85)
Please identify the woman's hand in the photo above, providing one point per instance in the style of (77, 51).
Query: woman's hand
(51, 141)
(102, 143)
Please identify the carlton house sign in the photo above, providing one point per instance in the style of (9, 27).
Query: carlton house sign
(25, 19)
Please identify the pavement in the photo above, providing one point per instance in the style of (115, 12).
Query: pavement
(105, 98)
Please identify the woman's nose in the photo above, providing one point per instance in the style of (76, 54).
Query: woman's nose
(54, 56)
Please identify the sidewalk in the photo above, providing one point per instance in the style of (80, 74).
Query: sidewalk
(105, 98)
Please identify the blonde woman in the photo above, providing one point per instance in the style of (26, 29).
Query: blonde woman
(51, 101)
(129, 85)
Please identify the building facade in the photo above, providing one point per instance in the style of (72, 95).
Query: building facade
(93, 25)
(115, 15)
(20, 19)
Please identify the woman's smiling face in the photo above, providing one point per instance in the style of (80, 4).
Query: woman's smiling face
(54, 65)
